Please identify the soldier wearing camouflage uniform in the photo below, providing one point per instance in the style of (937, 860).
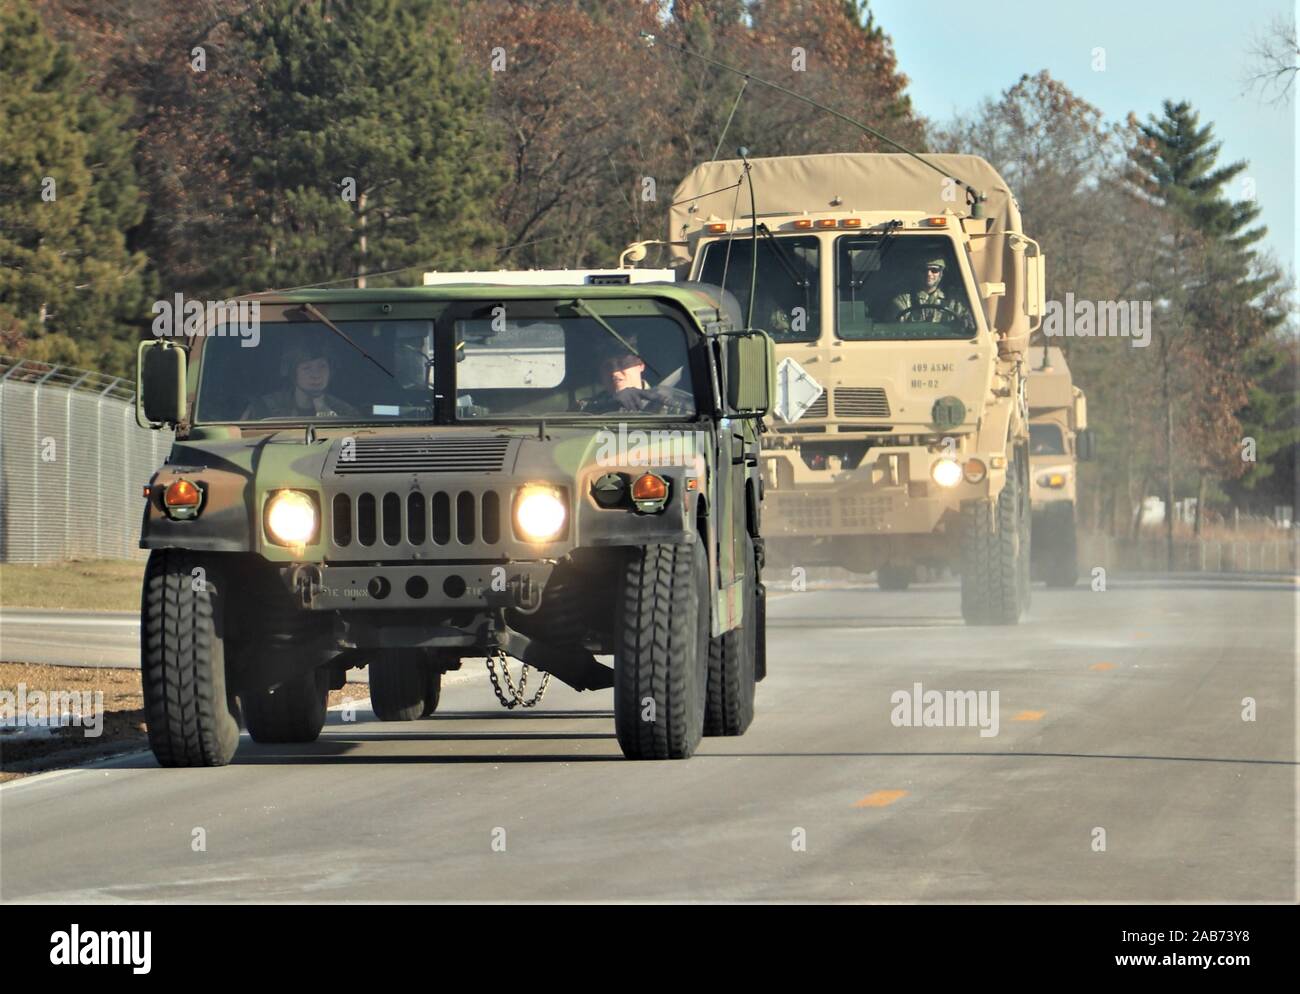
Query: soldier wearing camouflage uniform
(626, 390)
(928, 302)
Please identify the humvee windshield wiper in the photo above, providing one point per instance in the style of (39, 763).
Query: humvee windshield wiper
(312, 311)
(583, 306)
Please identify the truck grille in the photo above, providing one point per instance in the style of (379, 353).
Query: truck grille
(421, 455)
(436, 519)
(861, 402)
(818, 409)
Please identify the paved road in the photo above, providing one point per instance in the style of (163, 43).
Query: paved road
(1118, 711)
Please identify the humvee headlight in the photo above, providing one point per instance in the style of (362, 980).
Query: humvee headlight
(291, 518)
(1053, 481)
(539, 514)
(946, 472)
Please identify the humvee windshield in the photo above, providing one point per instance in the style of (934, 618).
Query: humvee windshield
(1046, 440)
(786, 291)
(544, 367)
(302, 371)
(891, 287)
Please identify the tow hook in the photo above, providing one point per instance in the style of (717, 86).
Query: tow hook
(307, 581)
(527, 594)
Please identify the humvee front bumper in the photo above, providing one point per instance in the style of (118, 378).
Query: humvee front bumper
(323, 587)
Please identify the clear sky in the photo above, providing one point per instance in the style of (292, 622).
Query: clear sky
(956, 52)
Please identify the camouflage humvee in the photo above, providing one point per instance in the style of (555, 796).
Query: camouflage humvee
(406, 478)
(1059, 438)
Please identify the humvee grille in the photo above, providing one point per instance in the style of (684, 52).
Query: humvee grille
(440, 518)
(861, 402)
(422, 455)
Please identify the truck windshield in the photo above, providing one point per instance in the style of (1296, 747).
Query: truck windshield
(892, 287)
(785, 295)
(1046, 440)
(301, 371)
(573, 366)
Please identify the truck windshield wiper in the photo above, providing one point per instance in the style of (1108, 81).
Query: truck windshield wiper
(800, 281)
(312, 311)
(586, 309)
(884, 241)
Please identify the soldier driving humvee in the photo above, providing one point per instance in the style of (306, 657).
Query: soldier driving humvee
(306, 370)
(622, 375)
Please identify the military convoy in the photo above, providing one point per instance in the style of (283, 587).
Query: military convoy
(901, 308)
(1059, 438)
(406, 478)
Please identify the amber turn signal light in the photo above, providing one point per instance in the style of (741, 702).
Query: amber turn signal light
(649, 487)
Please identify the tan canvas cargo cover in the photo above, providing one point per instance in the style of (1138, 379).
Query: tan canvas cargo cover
(1050, 387)
(860, 180)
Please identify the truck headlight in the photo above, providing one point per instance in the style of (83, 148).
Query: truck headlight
(946, 472)
(539, 513)
(291, 518)
(1054, 480)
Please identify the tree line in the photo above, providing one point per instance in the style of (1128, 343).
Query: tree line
(217, 147)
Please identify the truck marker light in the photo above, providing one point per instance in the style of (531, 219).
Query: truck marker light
(716, 228)
(826, 222)
(539, 513)
(290, 518)
(946, 472)
(181, 500)
(803, 222)
(851, 222)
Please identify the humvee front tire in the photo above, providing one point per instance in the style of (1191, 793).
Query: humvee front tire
(661, 651)
(732, 664)
(994, 578)
(293, 712)
(192, 719)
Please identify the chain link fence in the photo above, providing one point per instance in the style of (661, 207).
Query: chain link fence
(72, 461)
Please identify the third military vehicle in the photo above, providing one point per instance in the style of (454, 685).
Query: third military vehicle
(406, 478)
(901, 293)
(1058, 438)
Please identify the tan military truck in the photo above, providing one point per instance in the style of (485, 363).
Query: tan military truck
(1058, 439)
(901, 295)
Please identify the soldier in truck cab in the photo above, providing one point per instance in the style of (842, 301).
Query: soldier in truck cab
(926, 301)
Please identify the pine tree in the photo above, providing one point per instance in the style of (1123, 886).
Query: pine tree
(69, 285)
(363, 148)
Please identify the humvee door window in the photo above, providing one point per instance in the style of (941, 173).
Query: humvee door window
(1046, 440)
(786, 291)
(899, 287)
(301, 371)
(545, 367)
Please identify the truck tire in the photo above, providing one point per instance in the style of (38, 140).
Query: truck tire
(1061, 566)
(432, 691)
(661, 655)
(729, 708)
(399, 685)
(994, 576)
(192, 719)
(292, 712)
(894, 577)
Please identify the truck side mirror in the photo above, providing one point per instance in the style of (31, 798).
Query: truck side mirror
(159, 384)
(751, 373)
(1085, 446)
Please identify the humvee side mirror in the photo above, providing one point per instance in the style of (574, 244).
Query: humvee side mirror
(751, 373)
(159, 384)
(1085, 445)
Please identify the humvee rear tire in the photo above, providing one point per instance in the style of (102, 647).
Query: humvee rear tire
(293, 712)
(732, 665)
(994, 575)
(399, 685)
(192, 719)
(894, 577)
(661, 652)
